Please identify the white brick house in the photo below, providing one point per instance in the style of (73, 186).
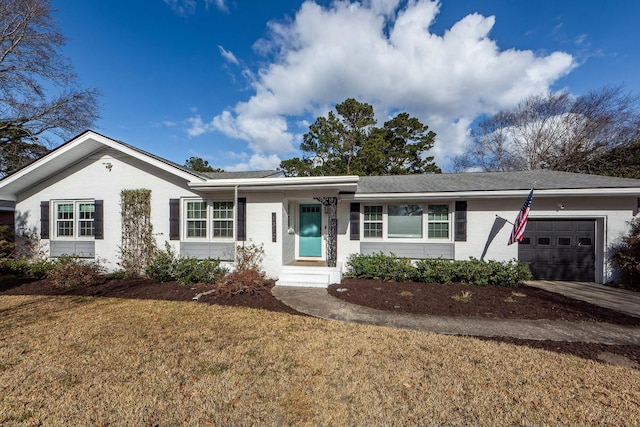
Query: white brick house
(71, 197)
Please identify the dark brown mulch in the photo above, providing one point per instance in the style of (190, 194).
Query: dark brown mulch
(524, 302)
(489, 302)
(537, 301)
(149, 289)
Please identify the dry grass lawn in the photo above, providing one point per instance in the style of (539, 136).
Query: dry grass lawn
(98, 361)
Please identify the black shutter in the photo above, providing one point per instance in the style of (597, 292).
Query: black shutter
(242, 219)
(174, 219)
(460, 233)
(354, 221)
(98, 220)
(44, 220)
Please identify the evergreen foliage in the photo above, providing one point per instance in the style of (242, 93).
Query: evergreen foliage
(349, 143)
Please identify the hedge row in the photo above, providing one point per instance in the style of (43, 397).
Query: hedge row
(437, 270)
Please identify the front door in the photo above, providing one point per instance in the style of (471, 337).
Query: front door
(310, 230)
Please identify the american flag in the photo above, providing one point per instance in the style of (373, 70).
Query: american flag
(521, 221)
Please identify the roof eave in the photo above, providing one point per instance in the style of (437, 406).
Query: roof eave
(339, 183)
(581, 192)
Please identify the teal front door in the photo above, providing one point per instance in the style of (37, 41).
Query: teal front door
(310, 230)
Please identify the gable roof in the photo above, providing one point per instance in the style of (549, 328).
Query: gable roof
(499, 183)
(74, 151)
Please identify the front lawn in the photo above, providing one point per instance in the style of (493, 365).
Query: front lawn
(79, 360)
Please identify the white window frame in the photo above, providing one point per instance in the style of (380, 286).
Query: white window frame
(75, 220)
(196, 219)
(212, 217)
(438, 221)
(366, 221)
(414, 237)
(424, 222)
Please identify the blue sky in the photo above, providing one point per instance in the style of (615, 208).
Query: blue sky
(238, 82)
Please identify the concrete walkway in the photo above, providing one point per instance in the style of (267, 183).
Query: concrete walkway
(621, 300)
(318, 303)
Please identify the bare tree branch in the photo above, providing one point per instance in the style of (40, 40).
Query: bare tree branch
(40, 102)
(555, 131)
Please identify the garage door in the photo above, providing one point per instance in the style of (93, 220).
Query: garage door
(559, 249)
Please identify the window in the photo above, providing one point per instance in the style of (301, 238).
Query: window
(404, 221)
(222, 219)
(74, 219)
(196, 219)
(216, 216)
(86, 214)
(372, 221)
(438, 222)
(564, 241)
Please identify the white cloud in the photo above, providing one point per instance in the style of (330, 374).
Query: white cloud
(188, 7)
(228, 55)
(220, 4)
(182, 7)
(383, 53)
(256, 162)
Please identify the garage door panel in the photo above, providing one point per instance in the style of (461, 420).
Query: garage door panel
(586, 226)
(559, 249)
(563, 225)
(544, 226)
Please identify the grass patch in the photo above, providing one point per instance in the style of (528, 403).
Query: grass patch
(464, 296)
(132, 362)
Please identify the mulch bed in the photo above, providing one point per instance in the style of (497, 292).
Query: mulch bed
(410, 297)
(149, 289)
(523, 302)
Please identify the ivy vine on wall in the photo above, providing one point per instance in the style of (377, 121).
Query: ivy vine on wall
(138, 243)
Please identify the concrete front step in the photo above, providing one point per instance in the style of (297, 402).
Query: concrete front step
(316, 277)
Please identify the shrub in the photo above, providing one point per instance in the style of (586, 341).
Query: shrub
(627, 256)
(248, 275)
(380, 266)
(71, 272)
(168, 266)
(434, 270)
(438, 270)
(25, 267)
(161, 267)
(7, 244)
(193, 270)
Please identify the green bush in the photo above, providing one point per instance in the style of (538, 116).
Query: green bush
(25, 267)
(438, 270)
(71, 272)
(434, 270)
(168, 266)
(380, 266)
(161, 267)
(193, 270)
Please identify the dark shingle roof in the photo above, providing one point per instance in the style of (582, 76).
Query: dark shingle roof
(488, 181)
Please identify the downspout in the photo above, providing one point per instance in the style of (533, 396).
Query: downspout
(235, 228)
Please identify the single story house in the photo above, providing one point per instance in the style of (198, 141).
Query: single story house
(310, 225)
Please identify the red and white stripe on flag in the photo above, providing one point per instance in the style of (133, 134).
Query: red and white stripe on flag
(521, 221)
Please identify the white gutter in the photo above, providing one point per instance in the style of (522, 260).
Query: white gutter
(279, 183)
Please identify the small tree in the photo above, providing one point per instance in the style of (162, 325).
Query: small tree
(627, 256)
